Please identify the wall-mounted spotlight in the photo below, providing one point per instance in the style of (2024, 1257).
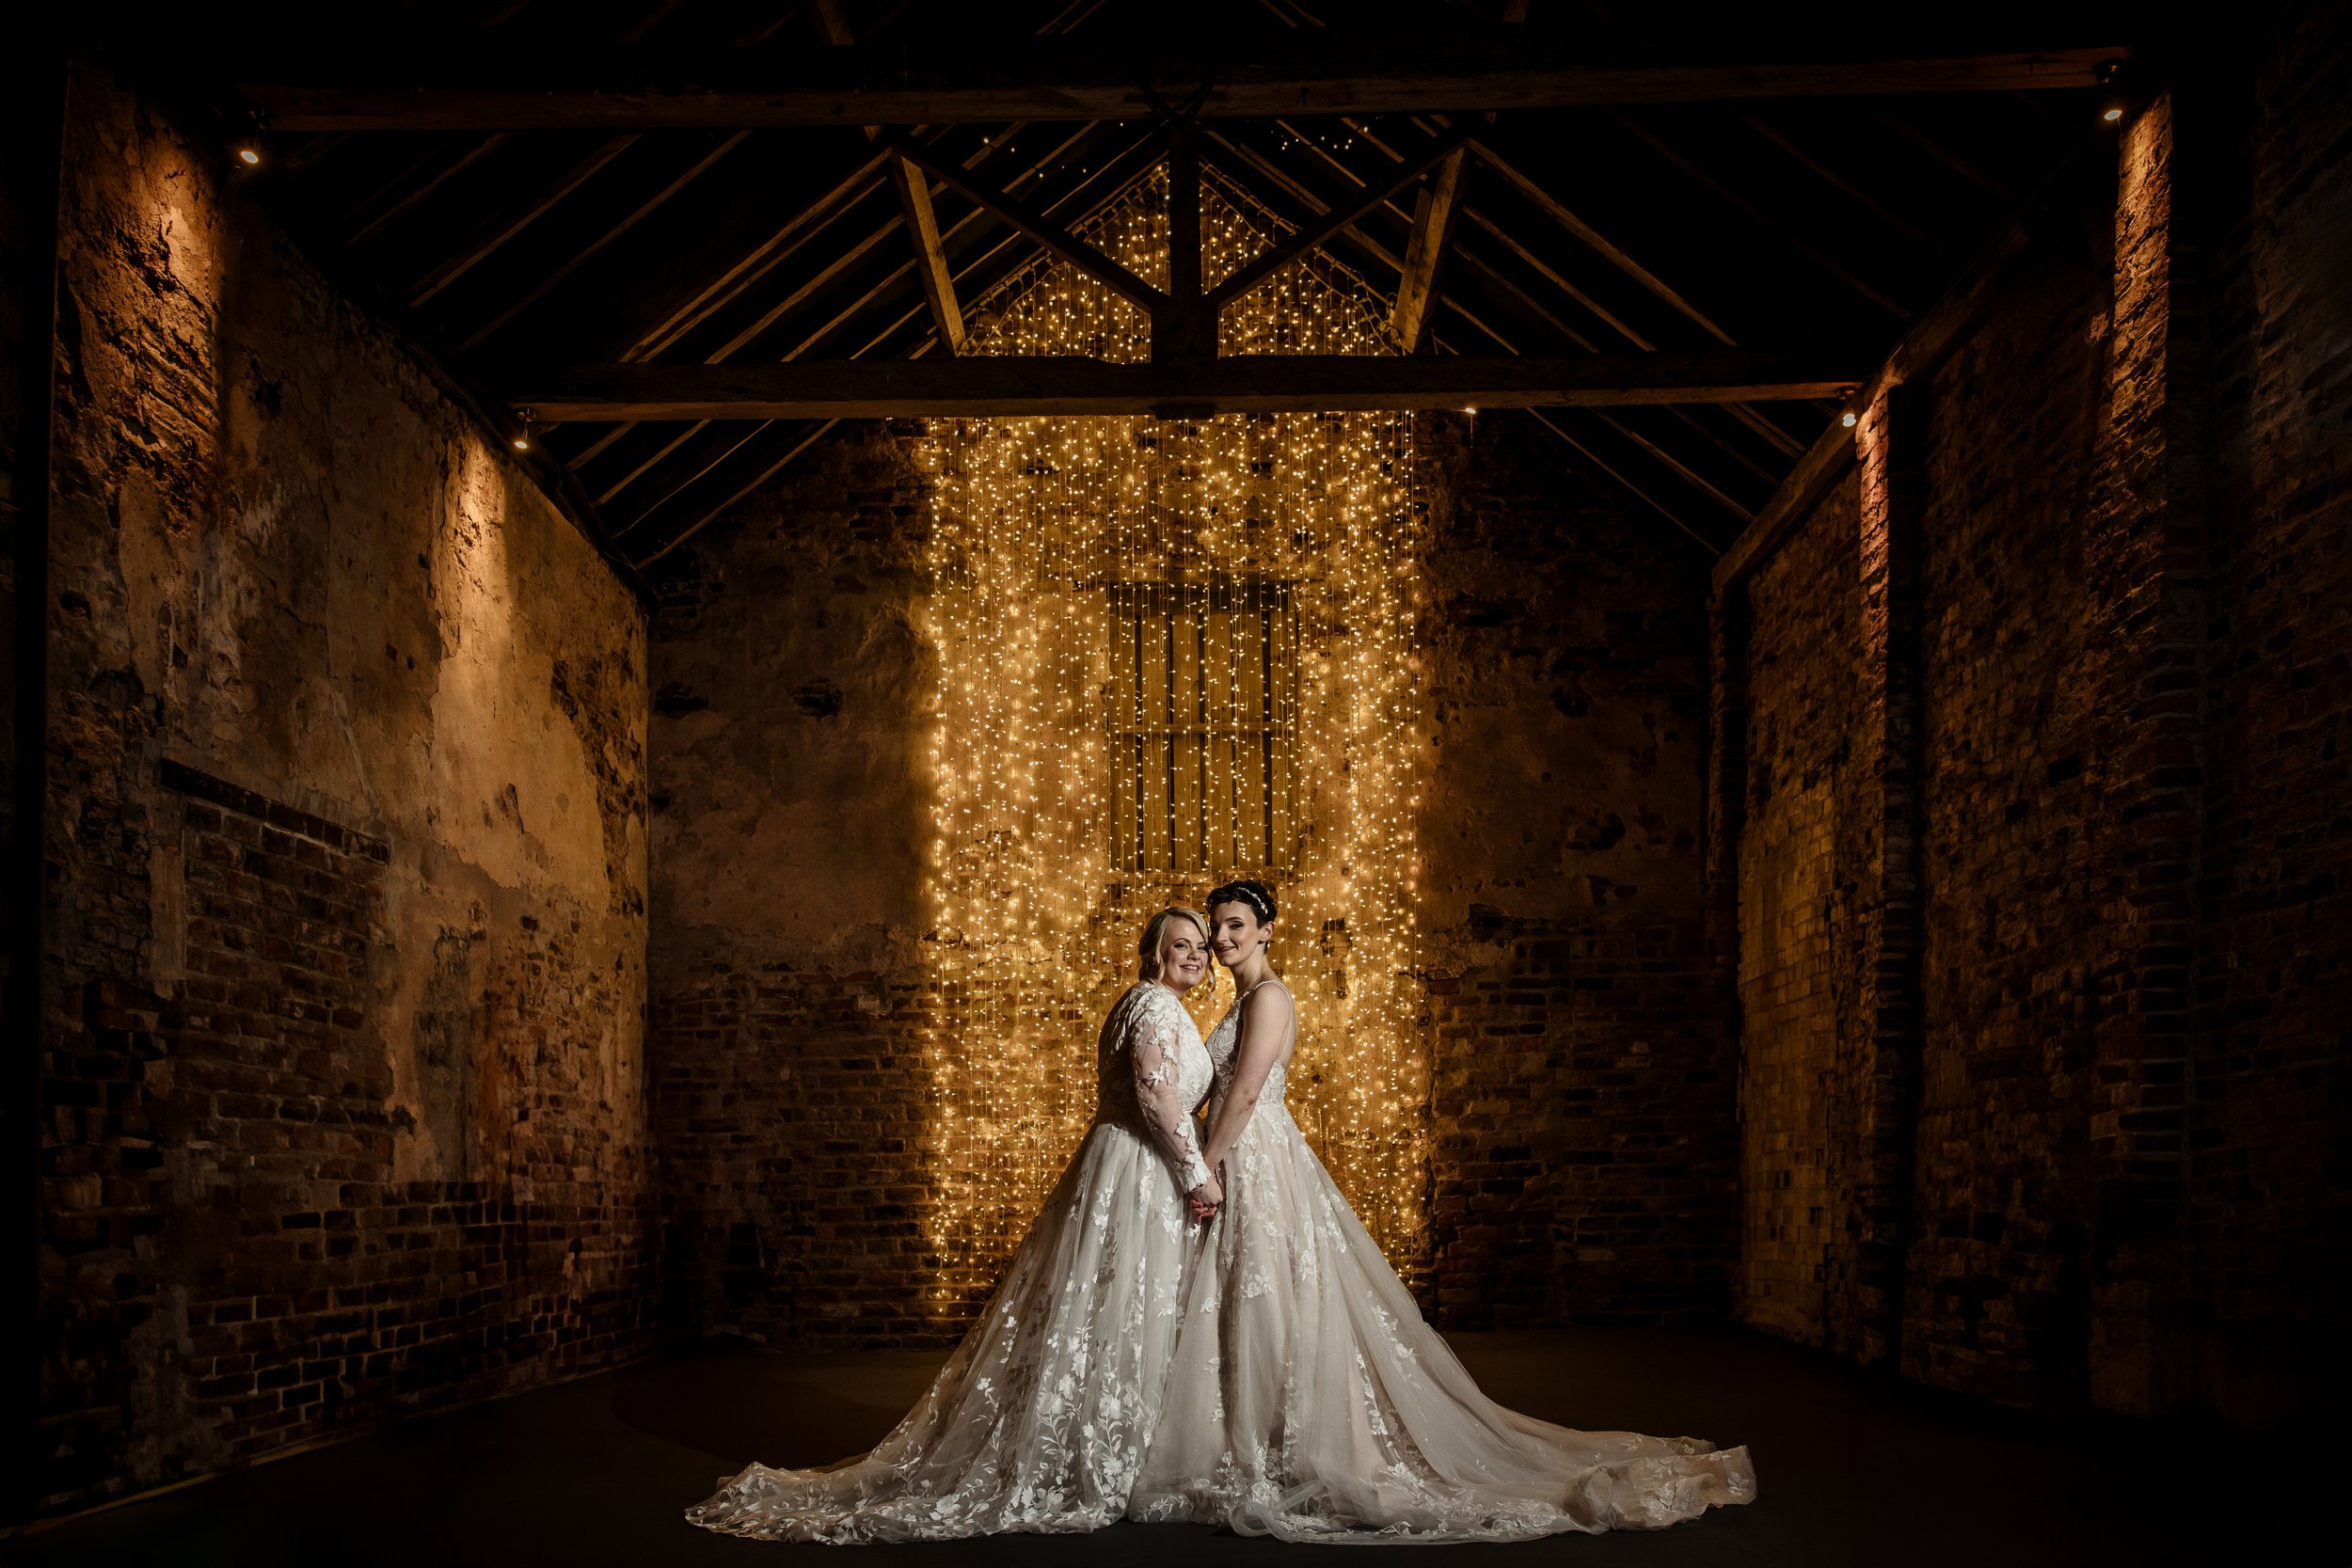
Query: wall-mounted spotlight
(2112, 104)
(1849, 418)
(249, 156)
(522, 436)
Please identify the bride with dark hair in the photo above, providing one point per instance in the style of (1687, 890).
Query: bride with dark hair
(1038, 1420)
(1308, 1398)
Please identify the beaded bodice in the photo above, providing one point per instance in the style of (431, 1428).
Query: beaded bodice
(1224, 1044)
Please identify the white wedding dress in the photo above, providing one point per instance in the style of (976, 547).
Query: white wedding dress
(1038, 1420)
(1310, 1400)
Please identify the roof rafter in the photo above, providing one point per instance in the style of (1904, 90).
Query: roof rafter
(1019, 387)
(1333, 71)
(1038, 227)
(1435, 209)
(931, 259)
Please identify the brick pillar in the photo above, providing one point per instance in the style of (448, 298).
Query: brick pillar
(2144, 557)
(1881, 1093)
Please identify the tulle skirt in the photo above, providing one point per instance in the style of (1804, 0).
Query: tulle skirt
(1309, 1400)
(1038, 1421)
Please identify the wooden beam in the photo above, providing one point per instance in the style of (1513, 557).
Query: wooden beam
(1552, 208)
(1931, 340)
(1021, 386)
(414, 196)
(832, 24)
(1371, 199)
(1434, 211)
(1829, 176)
(1186, 328)
(456, 266)
(1333, 71)
(1042, 230)
(930, 260)
(762, 258)
(1251, 172)
(576, 260)
(1765, 220)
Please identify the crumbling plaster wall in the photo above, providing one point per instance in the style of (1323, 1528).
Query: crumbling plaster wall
(343, 1077)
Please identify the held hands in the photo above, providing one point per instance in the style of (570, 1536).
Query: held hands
(1206, 1199)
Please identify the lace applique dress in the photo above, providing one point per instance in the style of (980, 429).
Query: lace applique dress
(1038, 1420)
(1310, 1400)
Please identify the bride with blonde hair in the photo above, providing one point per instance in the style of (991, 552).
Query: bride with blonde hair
(1040, 1418)
(1309, 1400)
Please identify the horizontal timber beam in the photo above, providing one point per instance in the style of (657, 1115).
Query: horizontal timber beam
(1015, 388)
(1053, 80)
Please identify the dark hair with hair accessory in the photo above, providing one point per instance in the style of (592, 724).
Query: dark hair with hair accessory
(1258, 896)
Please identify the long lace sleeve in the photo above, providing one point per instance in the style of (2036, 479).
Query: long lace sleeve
(1153, 1039)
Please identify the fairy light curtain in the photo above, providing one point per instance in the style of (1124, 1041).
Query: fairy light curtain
(1170, 653)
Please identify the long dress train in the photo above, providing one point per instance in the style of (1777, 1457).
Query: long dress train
(1309, 1399)
(1038, 1420)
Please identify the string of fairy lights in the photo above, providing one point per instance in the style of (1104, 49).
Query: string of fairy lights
(1170, 653)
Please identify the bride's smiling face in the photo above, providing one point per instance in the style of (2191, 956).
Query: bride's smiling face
(1236, 934)
(1184, 956)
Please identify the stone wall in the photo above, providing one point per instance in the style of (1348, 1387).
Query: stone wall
(343, 1080)
(1581, 1120)
(2042, 965)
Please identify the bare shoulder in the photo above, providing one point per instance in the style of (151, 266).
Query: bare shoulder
(1269, 1006)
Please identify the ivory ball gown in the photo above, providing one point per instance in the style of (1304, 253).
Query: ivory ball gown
(1038, 1420)
(1310, 1400)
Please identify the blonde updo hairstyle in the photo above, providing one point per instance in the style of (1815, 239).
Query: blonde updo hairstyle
(1155, 935)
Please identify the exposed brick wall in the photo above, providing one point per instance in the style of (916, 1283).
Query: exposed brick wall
(1934, 1008)
(2131, 675)
(1582, 1120)
(2269, 1225)
(1582, 1141)
(1797, 647)
(343, 1097)
(2012, 430)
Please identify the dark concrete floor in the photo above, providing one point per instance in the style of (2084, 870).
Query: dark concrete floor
(1849, 1472)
